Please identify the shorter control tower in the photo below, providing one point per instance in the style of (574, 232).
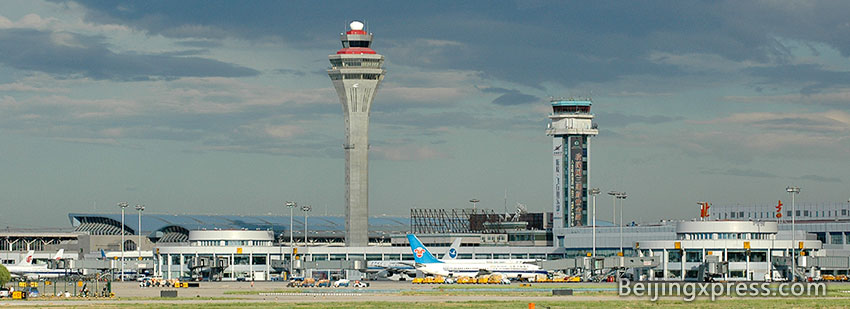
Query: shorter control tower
(571, 126)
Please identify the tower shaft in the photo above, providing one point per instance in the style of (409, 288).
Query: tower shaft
(356, 72)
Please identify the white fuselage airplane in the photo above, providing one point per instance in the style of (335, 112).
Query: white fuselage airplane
(407, 267)
(25, 268)
(428, 264)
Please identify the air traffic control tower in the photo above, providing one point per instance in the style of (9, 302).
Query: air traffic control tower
(356, 71)
(571, 126)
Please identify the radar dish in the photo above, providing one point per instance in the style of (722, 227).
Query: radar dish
(356, 25)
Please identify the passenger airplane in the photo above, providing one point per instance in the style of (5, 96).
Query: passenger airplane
(26, 269)
(428, 264)
(407, 267)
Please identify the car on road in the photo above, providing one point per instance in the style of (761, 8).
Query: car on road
(360, 284)
(5, 293)
(341, 283)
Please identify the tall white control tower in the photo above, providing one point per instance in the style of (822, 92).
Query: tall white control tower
(356, 71)
(571, 127)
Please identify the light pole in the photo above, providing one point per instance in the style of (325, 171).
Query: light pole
(593, 193)
(123, 205)
(613, 195)
(306, 209)
(140, 208)
(793, 191)
(621, 196)
(474, 202)
(291, 205)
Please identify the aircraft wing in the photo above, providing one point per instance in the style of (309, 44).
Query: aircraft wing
(482, 272)
(394, 270)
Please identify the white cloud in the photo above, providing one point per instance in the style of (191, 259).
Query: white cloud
(223, 95)
(97, 141)
(22, 87)
(407, 153)
(32, 21)
(5, 23)
(283, 131)
(830, 121)
(841, 96)
(73, 22)
(698, 62)
(424, 94)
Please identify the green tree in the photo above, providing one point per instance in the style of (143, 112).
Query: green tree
(5, 276)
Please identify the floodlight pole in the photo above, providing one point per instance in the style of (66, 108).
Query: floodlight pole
(140, 208)
(593, 193)
(306, 209)
(793, 191)
(123, 205)
(291, 206)
(613, 195)
(621, 196)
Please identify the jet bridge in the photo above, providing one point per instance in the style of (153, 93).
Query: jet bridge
(598, 268)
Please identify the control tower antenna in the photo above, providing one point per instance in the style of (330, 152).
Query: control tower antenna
(356, 71)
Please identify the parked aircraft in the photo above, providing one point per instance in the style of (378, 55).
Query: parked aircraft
(428, 264)
(25, 268)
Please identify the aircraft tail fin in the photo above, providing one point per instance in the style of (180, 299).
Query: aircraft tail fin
(452, 253)
(27, 260)
(102, 254)
(58, 255)
(420, 253)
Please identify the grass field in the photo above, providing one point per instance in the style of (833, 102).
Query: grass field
(534, 290)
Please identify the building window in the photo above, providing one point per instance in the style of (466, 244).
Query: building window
(758, 257)
(693, 256)
(674, 256)
(736, 256)
(675, 274)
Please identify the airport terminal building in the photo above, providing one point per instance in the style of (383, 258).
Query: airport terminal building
(259, 247)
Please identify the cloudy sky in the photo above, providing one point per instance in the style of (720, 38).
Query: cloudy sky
(225, 107)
